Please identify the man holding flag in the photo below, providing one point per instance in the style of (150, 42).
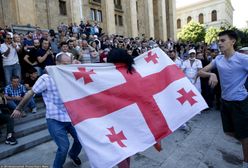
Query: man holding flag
(58, 121)
(117, 114)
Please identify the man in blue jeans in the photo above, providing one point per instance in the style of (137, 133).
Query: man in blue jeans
(10, 58)
(14, 93)
(58, 121)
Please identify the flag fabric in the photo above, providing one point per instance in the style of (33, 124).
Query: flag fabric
(117, 114)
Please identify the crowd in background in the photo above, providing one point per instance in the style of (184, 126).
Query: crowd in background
(25, 56)
(30, 53)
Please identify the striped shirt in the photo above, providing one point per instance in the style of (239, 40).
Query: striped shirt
(55, 108)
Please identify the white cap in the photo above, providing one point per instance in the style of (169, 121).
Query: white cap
(192, 51)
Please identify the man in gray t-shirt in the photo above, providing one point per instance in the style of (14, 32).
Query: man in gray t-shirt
(233, 71)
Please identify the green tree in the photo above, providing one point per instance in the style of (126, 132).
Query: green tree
(242, 36)
(193, 31)
(211, 34)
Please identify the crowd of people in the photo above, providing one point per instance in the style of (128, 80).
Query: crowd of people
(24, 58)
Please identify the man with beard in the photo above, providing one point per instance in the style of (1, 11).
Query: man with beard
(31, 57)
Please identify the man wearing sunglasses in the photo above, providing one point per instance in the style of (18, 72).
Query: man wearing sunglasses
(10, 59)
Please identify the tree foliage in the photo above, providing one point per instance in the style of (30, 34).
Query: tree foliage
(193, 32)
(211, 34)
(242, 36)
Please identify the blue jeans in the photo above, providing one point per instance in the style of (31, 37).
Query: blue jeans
(58, 131)
(40, 70)
(13, 103)
(11, 70)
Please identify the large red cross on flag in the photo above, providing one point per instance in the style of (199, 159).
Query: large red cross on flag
(117, 114)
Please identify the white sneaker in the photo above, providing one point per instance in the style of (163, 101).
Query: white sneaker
(34, 110)
(185, 127)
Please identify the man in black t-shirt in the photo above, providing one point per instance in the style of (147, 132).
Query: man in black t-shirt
(31, 79)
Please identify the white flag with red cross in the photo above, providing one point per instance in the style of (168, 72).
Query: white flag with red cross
(117, 114)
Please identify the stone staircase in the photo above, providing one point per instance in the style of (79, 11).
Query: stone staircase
(30, 131)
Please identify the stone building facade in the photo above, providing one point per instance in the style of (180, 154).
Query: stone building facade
(152, 18)
(216, 13)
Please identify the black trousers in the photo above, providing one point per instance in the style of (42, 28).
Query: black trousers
(5, 119)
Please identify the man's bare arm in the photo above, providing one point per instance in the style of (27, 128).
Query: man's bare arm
(205, 73)
(18, 111)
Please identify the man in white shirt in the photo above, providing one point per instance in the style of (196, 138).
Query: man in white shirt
(11, 64)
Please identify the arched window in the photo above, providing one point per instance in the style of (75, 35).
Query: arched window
(189, 19)
(201, 19)
(179, 23)
(214, 15)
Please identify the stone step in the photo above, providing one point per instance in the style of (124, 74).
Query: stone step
(30, 131)
(30, 117)
(27, 128)
(24, 143)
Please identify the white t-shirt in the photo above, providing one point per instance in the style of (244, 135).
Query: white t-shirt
(178, 62)
(191, 72)
(12, 58)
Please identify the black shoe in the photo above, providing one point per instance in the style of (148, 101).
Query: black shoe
(76, 161)
(11, 140)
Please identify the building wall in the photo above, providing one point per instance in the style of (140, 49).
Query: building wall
(48, 14)
(26, 15)
(1, 14)
(9, 12)
(154, 18)
(223, 7)
(42, 13)
(142, 15)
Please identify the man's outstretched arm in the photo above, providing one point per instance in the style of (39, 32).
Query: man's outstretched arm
(18, 111)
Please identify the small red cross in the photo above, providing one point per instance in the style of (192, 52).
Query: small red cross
(113, 137)
(83, 74)
(186, 96)
(151, 57)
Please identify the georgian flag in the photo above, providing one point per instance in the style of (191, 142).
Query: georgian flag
(117, 114)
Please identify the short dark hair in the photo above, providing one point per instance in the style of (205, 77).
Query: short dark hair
(69, 41)
(63, 43)
(14, 77)
(230, 33)
(32, 70)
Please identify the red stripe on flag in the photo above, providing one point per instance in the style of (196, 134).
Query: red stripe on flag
(136, 89)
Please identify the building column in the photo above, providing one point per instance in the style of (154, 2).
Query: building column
(76, 10)
(86, 10)
(132, 27)
(109, 18)
(9, 12)
(161, 26)
(171, 18)
(149, 24)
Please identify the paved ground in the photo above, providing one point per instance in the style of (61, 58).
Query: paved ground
(204, 146)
